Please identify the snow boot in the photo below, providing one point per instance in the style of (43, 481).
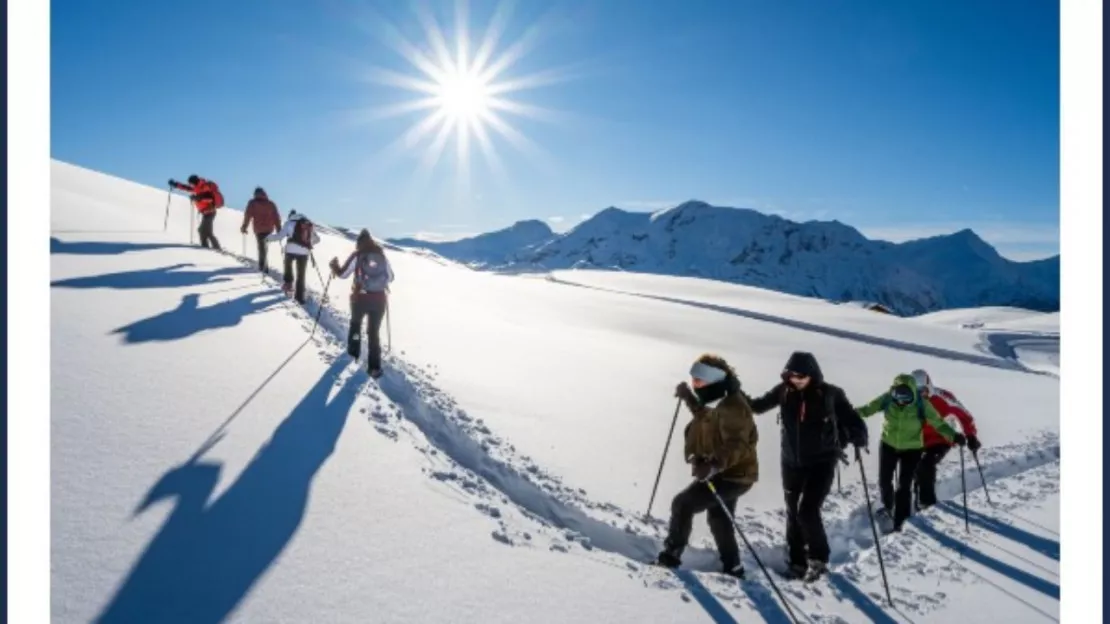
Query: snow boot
(794, 571)
(816, 570)
(375, 372)
(736, 572)
(667, 559)
(885, 521)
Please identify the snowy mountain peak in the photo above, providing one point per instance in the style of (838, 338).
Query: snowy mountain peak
(826, 259)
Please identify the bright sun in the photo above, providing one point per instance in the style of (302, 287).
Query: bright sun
(462, 88)
(463, 96)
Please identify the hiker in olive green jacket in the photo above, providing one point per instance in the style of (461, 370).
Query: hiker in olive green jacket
(721, 448)
(905, 411)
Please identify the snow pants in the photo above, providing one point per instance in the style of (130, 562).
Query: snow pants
(207, 238)
(926, 478)
(302, 264)
(905, 462)
(370, 306)
(805, 489)
(263, 247)
(698, 498)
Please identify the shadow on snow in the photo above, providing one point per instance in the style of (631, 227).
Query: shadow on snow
(209, 554)
(163, 277)
(188, 319)
(91, 248)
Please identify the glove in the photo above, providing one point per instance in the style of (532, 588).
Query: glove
(859, 438)
(704, 469)
(334, 264)
(973, 444)
(959, 439)
(243, 230)
(173, 182)
(684, 392)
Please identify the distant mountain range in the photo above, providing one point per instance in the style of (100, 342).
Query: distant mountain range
(825, 259)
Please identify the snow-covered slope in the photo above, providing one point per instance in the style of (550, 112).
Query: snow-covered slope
(211, 461)
(493, 248)
(828, 260)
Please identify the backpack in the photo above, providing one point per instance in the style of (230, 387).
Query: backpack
(371, 273)
(302, 233)
(217, 196)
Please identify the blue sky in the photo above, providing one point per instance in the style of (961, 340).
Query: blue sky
(904, 119)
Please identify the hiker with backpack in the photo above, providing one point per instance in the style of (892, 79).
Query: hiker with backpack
(817, 423)
(720, 446)
(267, 220)
(369, 297)
(301, 235)
(207, 199)
(905, 413)
(936, 447)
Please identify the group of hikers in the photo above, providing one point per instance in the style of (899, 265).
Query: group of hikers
(816, 419)
(817, 424)
(368, 264)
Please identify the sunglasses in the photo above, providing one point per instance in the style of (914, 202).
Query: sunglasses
(793, 375)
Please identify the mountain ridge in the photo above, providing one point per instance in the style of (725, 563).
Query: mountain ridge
(826, 259)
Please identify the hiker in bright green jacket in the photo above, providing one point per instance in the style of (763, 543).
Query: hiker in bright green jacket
(904, 410)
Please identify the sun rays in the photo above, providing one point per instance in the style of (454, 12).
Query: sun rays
(465, 93)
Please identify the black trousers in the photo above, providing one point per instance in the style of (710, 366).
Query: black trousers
(805, 489)
(697, 498)
(926, 478)
(371, 308)
(263, 247)
(302, 265)
(905, 462)
(207, 238)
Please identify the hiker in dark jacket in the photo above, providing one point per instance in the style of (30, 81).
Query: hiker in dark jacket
(369, 297)
(721, 448)
(264, 213)
(817, 423)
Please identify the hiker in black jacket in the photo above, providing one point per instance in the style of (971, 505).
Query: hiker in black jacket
(817, 423)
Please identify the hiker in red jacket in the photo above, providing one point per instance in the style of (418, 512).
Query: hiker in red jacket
(936, 447)
(207, 198)
(264, 214)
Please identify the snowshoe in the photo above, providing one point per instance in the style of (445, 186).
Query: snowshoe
(816, 570)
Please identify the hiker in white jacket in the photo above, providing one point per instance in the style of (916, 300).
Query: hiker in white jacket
(301, 235)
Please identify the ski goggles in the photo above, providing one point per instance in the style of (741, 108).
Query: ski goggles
(704, 375)
(901, 395)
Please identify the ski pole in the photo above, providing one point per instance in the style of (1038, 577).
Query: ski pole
(963, 482)
(874, 531)
(975, 456)
(751, 549)
(244, 244)
(663, 459)
(388, 328)
(320, 309)
(318, 274)
(166, 219)
(192, 222)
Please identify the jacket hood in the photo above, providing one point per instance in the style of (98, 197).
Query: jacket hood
(907, 380)
(804, 362)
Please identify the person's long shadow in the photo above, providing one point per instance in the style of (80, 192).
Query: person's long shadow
(1045, 546)
(188, 318)
(97, 248)
(762, 599)
(161, 277)
(208, 555)
(1031, 581)
(858, 597)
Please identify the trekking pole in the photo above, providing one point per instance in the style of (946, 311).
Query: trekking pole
(751, 549)
(192, 221)
(975, 456)
(244, 244)
(874, 531)
(663, 459)
(318, 274)
(388, 329)
(320, 309)
(963, 482)
(166, 219)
